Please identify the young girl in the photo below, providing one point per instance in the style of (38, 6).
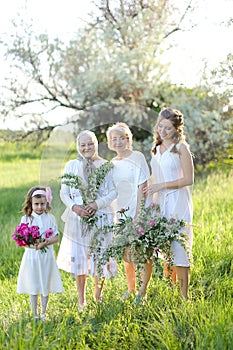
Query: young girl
(38, 273)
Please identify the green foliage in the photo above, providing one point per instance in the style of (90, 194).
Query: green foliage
(208, 126)
(164, 321)
(19, 150)
(139, 242)
(113, 70)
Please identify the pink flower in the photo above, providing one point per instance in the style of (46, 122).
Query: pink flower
(156, 249)
(34, 231)
(140, 230)
(173, 220)
(27, 236)
(48, 233)
(122, 210)
(152, 223)
(152, 204)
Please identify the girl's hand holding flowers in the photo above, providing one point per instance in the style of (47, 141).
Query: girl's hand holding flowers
(25, 236)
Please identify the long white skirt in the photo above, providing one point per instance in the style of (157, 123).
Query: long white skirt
(74, 256)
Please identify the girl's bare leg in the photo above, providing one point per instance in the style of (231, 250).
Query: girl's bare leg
(44, 303)
(34, 305)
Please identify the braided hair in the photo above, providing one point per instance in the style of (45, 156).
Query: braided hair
(176, 118)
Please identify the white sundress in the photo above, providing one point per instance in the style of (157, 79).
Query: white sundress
(38, 273)
(175, 203)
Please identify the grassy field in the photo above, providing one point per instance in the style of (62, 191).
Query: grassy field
(163, 322)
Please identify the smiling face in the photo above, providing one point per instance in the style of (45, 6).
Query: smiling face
(39, 205)
(166, 130)
(86, 146)
(119, 142)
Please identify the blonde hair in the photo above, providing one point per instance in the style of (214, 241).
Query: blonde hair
(122, 129)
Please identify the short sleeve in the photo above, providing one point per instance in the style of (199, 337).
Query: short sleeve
(54, 226)
(143, 167)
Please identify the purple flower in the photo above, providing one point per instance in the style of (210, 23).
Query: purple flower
(152, 204)
(152, 223)
(173, 220)
(122, 210)
(140, 230)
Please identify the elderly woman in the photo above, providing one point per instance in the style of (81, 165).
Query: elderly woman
(74, 255)
(130, 175)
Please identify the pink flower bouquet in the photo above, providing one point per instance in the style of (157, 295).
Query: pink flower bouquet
(25, 236)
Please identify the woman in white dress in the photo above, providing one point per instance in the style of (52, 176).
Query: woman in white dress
(173, 173)
(130, 175)
(38, 273)
(73, 255)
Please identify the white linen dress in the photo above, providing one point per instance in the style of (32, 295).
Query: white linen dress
(176, 203)
(128, 174)
(73, 255)
(38, 273)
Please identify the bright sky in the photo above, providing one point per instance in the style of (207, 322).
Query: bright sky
(210, 41)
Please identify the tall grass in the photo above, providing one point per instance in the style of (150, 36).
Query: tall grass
(164, 321)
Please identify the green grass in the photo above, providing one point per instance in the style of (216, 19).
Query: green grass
(163, 322)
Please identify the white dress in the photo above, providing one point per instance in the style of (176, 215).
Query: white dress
(175, 203)
(128, 174)
(38, 273)
(73, 255)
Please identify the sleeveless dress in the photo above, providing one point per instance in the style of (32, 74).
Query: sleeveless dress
(175, 203)
(73, 255)
(128, 174)
(38, 273)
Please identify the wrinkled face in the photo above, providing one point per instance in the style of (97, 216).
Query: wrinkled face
(86, 146)
(166, 129)
(39, 205)
(119, 142)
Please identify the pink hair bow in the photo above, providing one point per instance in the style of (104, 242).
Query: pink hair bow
(49, 196)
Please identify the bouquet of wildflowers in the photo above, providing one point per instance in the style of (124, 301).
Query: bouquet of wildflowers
(89, 192)
(26, 236)
(142, 241)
